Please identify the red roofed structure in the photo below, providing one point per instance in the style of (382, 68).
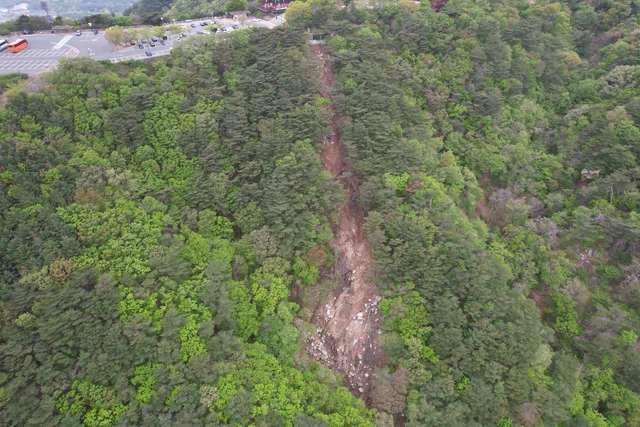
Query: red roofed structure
(273, 6)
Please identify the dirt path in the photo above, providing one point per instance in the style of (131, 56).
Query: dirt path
(348, 322)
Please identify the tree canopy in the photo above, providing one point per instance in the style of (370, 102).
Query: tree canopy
(165, 227)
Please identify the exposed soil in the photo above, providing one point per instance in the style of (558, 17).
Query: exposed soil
(348, 321)
(438, 4)
(483, 210)
(541, 298)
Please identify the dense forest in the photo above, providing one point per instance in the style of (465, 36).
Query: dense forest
(154, 220)
(150, 11)
(71, 8)
(496, 145)
(41, 24)
(167, 228)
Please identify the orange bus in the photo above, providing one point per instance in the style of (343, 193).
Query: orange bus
(18, 45)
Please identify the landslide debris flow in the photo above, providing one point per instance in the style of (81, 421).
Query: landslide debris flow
(348, 321)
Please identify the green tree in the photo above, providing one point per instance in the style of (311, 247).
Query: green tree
(116, 36)
(235, 5)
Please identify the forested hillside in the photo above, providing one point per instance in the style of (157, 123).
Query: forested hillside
(154, 220)
(70, 8)
(496, 145)
(150, 11)
(167, 229)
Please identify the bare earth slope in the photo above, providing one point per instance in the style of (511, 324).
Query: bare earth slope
(348, 322)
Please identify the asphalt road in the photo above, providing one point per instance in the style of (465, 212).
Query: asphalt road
(45, 50)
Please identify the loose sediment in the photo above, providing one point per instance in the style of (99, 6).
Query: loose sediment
(348, 322)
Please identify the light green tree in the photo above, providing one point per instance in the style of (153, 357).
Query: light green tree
(115, 36)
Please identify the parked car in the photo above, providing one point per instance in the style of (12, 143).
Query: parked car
(235, 26)
(27, 32)
(184, 34)
(154, 39)
(152, 44)
(95, 32)
(255, 20)
(224, 29)
(193, 25)
(133, 42)
(78, 33)
(199, 32)
(162, 42)
(204, 23)
(140, 46)
(148, 53)
(143, 40)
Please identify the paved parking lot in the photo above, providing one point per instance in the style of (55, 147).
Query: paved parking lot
(26, 66)
(139, 56)
(42, 54)
(45, 50)
(35, 53)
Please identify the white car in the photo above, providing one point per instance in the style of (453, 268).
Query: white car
(255, 20)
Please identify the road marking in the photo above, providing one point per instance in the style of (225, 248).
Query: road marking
(25, 65)
(38, 53)
(139, 56)
(62, 42)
